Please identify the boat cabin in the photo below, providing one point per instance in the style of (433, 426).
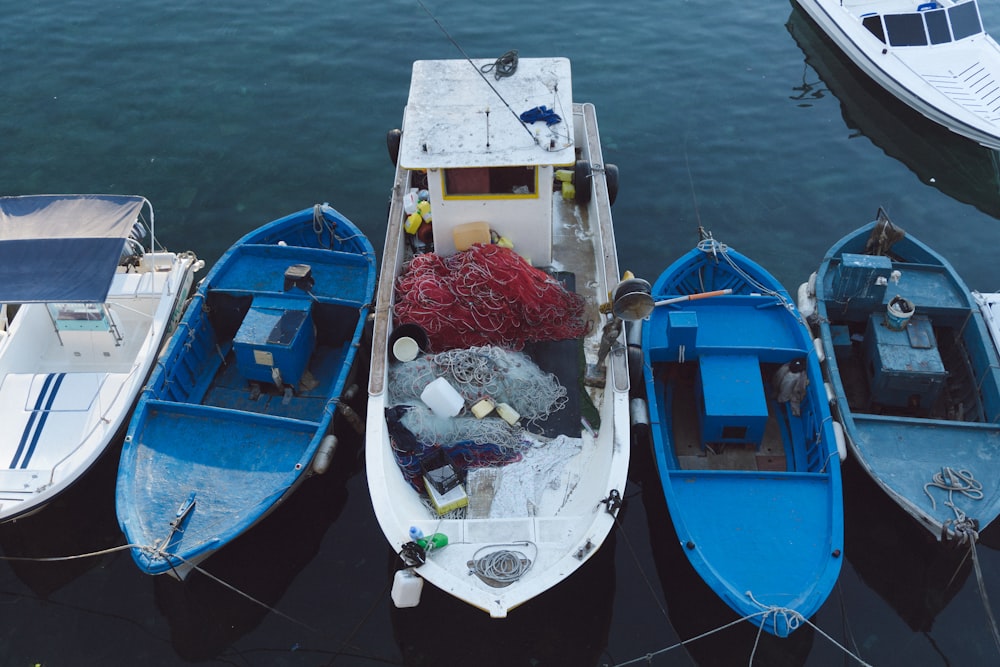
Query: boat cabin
(927, 23)
(485, 169)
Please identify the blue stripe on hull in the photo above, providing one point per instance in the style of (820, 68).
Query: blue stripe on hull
(31, 432)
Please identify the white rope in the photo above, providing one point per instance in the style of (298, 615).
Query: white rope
(770, 610)
(504, 566)
(965, 483)
(158, 552)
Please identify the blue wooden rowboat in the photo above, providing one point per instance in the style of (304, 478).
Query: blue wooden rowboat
(743, 437)
(241, 407)
(915, 374)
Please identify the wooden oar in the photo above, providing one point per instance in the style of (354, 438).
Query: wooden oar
(692, 297)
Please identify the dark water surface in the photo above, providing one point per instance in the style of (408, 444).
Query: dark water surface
(229, 114)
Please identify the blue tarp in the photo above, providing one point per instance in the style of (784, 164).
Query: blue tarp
(62, 248)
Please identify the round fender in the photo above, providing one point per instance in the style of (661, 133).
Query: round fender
(611, 174)
(582, 181)
(839, 436)
(392, 139)
(324, 455)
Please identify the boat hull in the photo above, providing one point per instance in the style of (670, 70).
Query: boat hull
(918, 400)
(569, 522)
(750, 477)
(64, 410)
(950, 83)
(246, 394)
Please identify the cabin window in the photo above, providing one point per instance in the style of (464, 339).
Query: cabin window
(937, 26)
(965, 20)
(874, 25)
(490, 181)
(905, 29)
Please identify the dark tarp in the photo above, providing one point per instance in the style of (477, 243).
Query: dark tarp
(62, 248)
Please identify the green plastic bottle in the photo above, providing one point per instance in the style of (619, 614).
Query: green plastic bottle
(435, 541)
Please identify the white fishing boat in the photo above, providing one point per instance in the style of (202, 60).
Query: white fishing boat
(498, 429)
(935, 56)
(86, 308)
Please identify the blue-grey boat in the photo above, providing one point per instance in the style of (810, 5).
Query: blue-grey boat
(743, 438)
(915, 374)
(241, 407)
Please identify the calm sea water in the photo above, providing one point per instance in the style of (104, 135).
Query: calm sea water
(229, 114)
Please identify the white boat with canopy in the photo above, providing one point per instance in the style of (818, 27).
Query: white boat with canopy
(86, 308)
(933, 55)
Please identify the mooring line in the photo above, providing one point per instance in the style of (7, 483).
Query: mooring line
(123, 547)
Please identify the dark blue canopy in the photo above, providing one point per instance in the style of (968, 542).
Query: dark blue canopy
(62, 247)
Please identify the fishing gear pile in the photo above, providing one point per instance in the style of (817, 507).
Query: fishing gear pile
(486, 295)
(502, 377)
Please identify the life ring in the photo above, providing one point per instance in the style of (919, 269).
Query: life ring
(611, 175)
(392, 139)
(582, 177)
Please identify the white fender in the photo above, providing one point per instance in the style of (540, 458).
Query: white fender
(831, 396)
(838, 435)
(324, 455)
(812, 284)
(818, 344)
(806, 301)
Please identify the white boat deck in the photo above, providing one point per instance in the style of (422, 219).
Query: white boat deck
(67, 386)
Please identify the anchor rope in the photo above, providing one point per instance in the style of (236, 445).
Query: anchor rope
(966, 484)
(709, 245)
(763, 613)
(982, 593)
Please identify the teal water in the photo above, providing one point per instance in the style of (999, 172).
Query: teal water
(230, 114)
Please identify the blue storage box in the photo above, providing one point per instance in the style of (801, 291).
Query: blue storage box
(276, 334)
(906, 367)
(733, 393)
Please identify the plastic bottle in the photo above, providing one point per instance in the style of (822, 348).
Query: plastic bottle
(435, 541)
(410, 202)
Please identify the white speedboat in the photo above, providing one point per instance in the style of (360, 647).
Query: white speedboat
(86, 309)
(935, 56)
(498, 429)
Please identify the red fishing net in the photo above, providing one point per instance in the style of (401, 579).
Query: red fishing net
(486, 295)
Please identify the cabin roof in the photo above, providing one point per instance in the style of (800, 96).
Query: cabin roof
(458, 116)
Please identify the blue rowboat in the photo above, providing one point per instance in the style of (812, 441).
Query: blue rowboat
(242, 406)
(743, 438)
(915, 375)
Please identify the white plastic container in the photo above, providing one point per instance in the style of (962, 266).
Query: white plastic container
(406, 588)
(410, 202)
(442, 398)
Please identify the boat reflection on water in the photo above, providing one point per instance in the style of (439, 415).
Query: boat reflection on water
(568, 625)
(958, 167)
(79, 521)
(896, 557)
(205, 616)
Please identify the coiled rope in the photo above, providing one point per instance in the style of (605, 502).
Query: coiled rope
(503, 66)
(962, 482)
(502, 567)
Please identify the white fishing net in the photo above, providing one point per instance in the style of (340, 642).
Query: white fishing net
(503, 376)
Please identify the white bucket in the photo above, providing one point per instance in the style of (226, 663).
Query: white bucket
(442, 398)
(405, 349)
(898, 313)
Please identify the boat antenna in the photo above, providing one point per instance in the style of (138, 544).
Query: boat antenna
(481, 74)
